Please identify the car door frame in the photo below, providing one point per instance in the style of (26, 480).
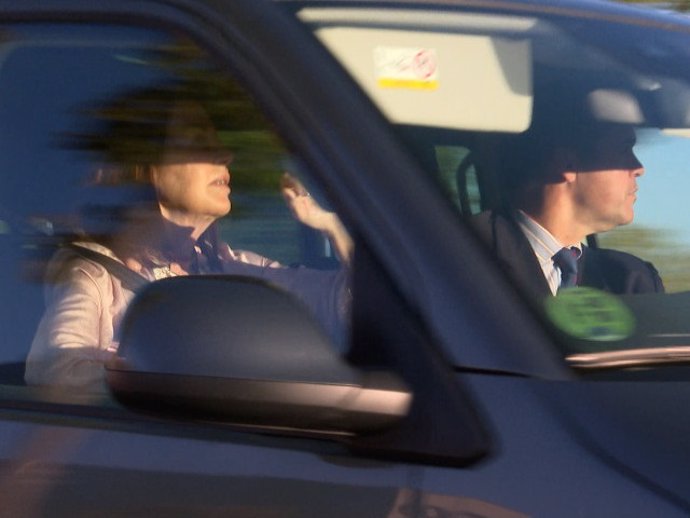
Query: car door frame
(375, 190)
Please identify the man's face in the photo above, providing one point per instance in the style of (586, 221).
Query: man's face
(605, 185)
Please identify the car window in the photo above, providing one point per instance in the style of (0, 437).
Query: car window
(458, 175)
(659, 230)
(484, 100)
(129, 151)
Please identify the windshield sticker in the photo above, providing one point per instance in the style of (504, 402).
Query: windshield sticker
(406, 67)
(590, 314)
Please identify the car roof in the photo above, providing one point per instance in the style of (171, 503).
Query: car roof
(594, 9)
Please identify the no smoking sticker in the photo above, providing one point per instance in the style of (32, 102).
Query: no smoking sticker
(406, 67)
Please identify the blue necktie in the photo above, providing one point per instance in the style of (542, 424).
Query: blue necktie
(566, 260)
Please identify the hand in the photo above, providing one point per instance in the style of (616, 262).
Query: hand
(306, 210)
(303, 207)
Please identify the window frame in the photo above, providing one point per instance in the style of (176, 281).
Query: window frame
(361, 177)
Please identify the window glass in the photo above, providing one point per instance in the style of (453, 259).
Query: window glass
(133, 146)
(548, 131)
(660, 229)
(458, 175)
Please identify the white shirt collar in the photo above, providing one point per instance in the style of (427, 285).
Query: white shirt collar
(545, 246)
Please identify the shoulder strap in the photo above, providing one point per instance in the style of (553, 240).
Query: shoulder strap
(129, 279)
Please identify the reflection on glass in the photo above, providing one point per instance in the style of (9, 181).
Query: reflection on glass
(161, 155)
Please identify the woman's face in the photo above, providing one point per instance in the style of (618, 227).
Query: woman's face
(192, 181)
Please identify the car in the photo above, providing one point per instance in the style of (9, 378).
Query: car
(448, 391)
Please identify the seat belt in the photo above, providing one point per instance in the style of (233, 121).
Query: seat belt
(129, 279)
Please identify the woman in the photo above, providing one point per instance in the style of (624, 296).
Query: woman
(174, 235)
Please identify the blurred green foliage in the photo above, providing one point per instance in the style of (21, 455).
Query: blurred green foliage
(676, 5)
(449, 159)
(258, 158)
(669, 254)
(130, 129)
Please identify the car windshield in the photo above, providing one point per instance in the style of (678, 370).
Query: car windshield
(484, 99)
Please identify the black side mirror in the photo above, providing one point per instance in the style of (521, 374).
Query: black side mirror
(243, 351)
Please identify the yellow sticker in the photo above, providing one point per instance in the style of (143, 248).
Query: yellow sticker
(590, 314)
(406, 67)
(407, 83)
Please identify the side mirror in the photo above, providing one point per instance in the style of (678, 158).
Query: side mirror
(243, 351)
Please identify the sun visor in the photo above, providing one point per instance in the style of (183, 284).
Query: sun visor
(457, 81)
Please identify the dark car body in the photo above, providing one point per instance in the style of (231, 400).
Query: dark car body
(455, 396)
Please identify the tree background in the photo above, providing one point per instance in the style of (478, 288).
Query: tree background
(676, 5)
(661, 247)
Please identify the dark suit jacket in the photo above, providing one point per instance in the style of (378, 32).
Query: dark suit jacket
(608, 270)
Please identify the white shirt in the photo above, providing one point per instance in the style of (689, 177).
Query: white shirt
(545, 246)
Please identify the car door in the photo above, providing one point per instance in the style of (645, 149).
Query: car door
(72, 451)
(487, 424)
(563, 443)
(77, 453)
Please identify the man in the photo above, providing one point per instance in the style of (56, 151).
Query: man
(568, 180)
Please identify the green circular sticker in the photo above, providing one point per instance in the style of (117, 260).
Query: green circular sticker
(590, 314)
